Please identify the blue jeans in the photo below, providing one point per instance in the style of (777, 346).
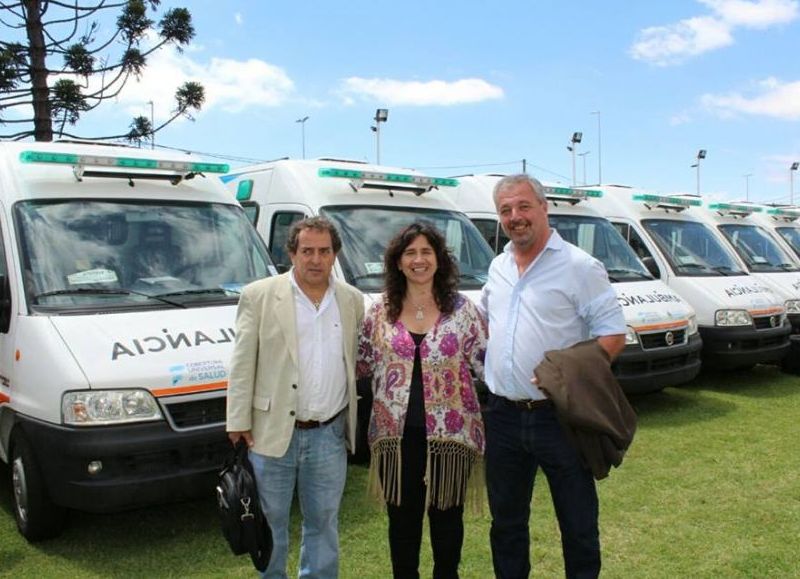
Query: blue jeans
(316, 463)
(518, 442)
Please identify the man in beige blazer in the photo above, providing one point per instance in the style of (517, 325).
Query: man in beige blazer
(292, 393)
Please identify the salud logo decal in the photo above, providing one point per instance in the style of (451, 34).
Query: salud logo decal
(193, 372)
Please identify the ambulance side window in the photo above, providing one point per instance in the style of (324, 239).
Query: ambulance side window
(5, 290)
(278, 234)
(633, 239)
(488, 229)
(251, 210)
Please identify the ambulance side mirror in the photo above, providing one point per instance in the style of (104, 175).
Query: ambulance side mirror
(652, 266)
(5, 304)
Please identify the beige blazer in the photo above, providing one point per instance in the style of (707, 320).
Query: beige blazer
(264, 374)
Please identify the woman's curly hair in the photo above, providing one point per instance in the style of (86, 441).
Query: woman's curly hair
(445, 280)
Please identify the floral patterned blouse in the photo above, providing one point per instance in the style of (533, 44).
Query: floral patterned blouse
(455, 344)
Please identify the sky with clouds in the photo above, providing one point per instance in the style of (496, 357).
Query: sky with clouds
(477, 86)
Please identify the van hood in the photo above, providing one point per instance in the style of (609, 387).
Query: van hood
(709, 294)
(786, 284)
(651, 302)
(165, 351)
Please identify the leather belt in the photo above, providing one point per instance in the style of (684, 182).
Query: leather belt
(527, 405)
(309, 424)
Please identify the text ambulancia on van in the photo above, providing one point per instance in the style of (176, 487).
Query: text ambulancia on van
(119, 279)
(662, 344)
(742, 321)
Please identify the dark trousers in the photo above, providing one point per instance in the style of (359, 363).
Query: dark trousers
(405, 520)
(518, 442)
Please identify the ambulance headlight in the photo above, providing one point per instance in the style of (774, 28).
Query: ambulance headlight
(100, 407)
(630, 336)
(733, 318)
(691, 329)
(792, 306)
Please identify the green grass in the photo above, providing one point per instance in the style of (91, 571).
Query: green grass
(709, 489)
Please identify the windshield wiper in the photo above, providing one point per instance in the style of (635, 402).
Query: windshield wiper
(694, 266)
(106, 291)
(472, 276)
(624, 271)
(725, 270)
(194, 292)
(371, 275)
(787, 266)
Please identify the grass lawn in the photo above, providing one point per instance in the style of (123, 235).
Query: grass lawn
(710, 488)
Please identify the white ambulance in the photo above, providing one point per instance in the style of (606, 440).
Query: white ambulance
(783, 221)
(368, 204)
(120, 271)
(742, 322)
(662, 344)
(764, 258)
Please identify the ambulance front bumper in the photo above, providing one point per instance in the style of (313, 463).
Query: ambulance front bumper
(641, 371)
(729, 348)
(113, 468)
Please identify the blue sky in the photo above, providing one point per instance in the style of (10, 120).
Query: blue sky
(476, 86)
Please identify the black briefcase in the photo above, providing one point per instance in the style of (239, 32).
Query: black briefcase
(243, 522)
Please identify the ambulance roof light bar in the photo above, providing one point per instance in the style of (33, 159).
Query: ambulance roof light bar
(735, 209)
(419, 184)
(179, 169)
(571, 196)
(786, 214)
(676, 202)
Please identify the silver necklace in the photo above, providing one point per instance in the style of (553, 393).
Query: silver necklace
(420, 315)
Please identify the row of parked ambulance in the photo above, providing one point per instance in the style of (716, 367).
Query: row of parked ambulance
(120, 271)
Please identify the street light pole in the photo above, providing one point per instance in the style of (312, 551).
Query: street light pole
(701, 154)
(747, 186)
(303, 132)
(381, 116)
(792, 169)
(583, 155)
(599, 150)
(152, 127)
(576, 138)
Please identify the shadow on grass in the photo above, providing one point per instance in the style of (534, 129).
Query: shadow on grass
(177, 539)
(761, 381)
(676, 407)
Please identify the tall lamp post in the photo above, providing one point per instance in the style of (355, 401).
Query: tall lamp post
(747, 186)
(792, 169)
(303, 132)
(576, 138)
(381, 116)
(701, 154)
(583, 156)
(152, 126)
(599, 150)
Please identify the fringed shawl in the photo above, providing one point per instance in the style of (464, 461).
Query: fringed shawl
(454, 427)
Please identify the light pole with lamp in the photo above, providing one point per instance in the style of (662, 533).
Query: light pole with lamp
(747, 186)
(381, 116)
(303, 132)
(583, 156)
(792, 169)
(576, 138)
(152, 127)
(599, 150)
(701, 154)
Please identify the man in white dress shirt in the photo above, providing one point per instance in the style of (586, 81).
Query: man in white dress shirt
(292, 394)
(542, 294)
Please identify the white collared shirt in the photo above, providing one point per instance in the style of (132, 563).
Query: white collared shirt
(562, 298)
(322, 391)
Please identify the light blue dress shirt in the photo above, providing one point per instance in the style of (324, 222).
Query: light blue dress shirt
(562, 298)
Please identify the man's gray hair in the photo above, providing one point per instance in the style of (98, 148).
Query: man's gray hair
(511, 180)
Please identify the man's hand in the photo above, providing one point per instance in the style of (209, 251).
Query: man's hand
(234, 437)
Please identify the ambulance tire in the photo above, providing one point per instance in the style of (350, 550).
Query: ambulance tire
(38, 518)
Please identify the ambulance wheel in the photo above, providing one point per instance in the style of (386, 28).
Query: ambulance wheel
(36, 515)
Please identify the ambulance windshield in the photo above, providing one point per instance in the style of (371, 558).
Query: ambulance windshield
(366, 232)
(758, 250)
(86, 255)
(692, 248)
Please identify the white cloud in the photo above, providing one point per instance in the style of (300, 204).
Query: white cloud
(681, 118)
(416, 93)
(771, 98)
(237, 16)
(229, 84)
(674, 43)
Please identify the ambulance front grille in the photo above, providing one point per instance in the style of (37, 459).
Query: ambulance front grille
(191, 414)
(660, 339)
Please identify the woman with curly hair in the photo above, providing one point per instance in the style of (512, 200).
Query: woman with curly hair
(419, 345)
